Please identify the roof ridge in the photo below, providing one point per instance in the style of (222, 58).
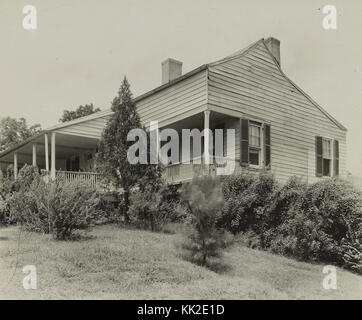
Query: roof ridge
(319, 107)
(236, 54)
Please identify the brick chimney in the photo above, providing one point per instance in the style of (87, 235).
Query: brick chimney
(171, 69)
(274, 47)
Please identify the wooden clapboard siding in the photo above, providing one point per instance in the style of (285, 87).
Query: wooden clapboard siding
(91, 128)
(253, 84)
(174, 101)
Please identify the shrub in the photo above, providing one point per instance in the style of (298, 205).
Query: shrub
(323, 218)
(246, 196)
(27, 174)
(109, 208)
(152, 208)
(204, 200)
(276, 210)
(352, 255)
(56, 207)
(6, 188)
(320, 221)
(248, 239)
(282, 199)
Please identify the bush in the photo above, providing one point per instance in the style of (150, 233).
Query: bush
(316, 222)
(204, 200)
(110, 208)
(246, 196)
(27, 174)
(152, 208)
(276, 210)
(324, 217)
(352, 255)
(56, 207)
(248, 239)
(6, 189)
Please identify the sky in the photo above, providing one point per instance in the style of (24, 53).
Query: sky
(82, 49)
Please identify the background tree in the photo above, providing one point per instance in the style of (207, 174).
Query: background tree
(113, 147)
(81, 111)
(13, 131)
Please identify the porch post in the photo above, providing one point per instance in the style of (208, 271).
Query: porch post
(155, 143)
(206, 137)
(46, 152)
(52, 170)
(15, 165)
(34, 154)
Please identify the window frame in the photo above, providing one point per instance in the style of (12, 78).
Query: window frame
(331, 157)
(260, 148)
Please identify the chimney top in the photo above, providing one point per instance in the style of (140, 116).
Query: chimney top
(171, 69)
(273, 45)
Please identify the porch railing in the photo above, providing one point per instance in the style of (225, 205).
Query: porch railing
(92, 178)
(181, 172)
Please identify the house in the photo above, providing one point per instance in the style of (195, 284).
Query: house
(278, 127)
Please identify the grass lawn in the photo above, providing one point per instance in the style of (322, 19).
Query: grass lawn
(118, 263)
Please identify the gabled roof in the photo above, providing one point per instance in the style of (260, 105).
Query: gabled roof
(235, 55)
(335, 121)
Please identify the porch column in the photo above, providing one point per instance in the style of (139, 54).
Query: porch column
(52, 170)
(15, 165)
(155, 144)
(34, 154)
(207, 136)
(46, 145)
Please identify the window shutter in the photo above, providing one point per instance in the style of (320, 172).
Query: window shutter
(267, 146)
(222, 127)
(244, 142)
(336, 158)
(319, 156)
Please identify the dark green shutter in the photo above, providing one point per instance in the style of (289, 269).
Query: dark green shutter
(244, 142)
(267, 146)
(336, 158)
(222, 127)
(319, 156)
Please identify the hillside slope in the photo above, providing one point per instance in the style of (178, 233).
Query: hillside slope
(118, 263)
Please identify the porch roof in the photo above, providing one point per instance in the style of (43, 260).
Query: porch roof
(82, 133)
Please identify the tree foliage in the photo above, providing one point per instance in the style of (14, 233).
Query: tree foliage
(81, 111)
(204, 200)
(113, 147)
(14, 131)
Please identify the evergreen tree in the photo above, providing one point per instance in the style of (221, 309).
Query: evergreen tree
(204, 200)
(113, 147)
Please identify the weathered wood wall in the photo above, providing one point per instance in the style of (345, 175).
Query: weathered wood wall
(254, 85)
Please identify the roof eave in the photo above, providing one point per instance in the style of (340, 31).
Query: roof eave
(171, 83)
(320, 108)
(23, 143)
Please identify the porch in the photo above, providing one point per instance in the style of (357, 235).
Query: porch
(68, 151)
(206, 161)
(57, 155)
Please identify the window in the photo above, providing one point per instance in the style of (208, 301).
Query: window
(254, 143)
(327, 157)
